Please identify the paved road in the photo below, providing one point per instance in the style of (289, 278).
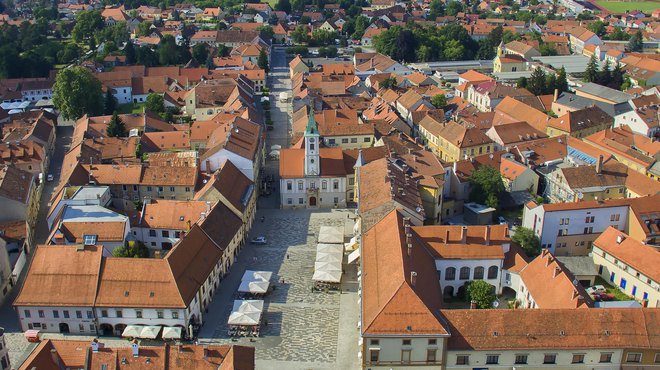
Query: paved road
(8, 319)
(280, 112)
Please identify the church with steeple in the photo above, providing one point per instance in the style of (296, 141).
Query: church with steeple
(313, 176)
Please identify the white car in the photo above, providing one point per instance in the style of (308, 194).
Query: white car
(49, 177)
(258, 240)
(596, 289)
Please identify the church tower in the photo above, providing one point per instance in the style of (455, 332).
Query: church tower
(312, 158)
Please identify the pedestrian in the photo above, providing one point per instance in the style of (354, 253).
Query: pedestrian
(287, 256)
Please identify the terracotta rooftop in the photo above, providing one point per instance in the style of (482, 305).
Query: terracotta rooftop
(481, 242)
(292, 163)
(643, 258)
(15, 184)
(582, 119)
(172, 214)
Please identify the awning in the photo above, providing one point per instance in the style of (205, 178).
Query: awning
(329, 248)
(250, 275)
(254, 287)
(329, 257)
(354, 256)
(332, 235)
(327, 266)
(150, 332)
(171, 332)
(248, 305)
(246, 312)
(132, 331)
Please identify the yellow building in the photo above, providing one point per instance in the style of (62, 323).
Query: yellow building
(580, 123)
(452, 142)
(508, 62)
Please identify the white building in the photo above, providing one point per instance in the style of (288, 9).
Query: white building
(569, 229)
(314, 176)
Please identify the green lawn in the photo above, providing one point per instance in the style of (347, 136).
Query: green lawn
(622, 6)
(130, 108)
(618, 294)
(271, 2)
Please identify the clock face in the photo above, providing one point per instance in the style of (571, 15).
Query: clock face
(311, 139)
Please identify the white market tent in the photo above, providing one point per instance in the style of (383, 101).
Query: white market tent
(246, 313)
(253, 287)
(150, 332)
(332, 235)
(329, 248)
(171, 332)
(132, 331)
(328, 257)
(327, 266)
(250, 275)
(327, 276)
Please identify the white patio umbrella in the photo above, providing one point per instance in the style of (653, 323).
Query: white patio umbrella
(329, 248)
(132, 331)
(327, 266)
(327, 276)
(251, 305)
(244, 318)
(150, 332)
(274, 153)
(171, 332)
(328, 257)
(254, 287)
(250, 275)
(275, 147)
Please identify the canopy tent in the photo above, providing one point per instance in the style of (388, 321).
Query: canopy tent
(275, 147)
(327, 266)
(354, 256)
(274, 153)
(327, 276)
(171, 332)
(254, 287)
(329, 234)
(132, 331)
(250, 275)
(329, 248)
(329, 257)
(246, 312)
(150, 332)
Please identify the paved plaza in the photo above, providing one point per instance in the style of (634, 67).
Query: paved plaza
(303, 330)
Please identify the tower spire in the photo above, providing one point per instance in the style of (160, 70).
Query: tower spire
(312, 128)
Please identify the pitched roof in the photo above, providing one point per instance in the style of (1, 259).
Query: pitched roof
(552, 285)
(292, 163)
(481, 242)
(483, 330)
(338, 122)
(392, 303)
(171, 214)
(15, 184)
(582, 119)
(112, 231)
(511, 110)
(231, 183)
(643, 258)
(62, 275)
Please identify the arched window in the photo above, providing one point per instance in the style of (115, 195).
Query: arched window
(450, 273)
(465, 273)
(478, 273)
(492, 272)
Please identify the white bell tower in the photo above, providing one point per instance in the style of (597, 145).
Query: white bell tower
(312, 158)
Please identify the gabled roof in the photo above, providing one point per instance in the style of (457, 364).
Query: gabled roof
(582, 119)
(391, 303)
(643, 258)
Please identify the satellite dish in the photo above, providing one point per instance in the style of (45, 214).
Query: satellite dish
(580, 195)
(418, 209)
(496, 304)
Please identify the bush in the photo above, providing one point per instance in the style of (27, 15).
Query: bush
(298, 49)
(481, 292)
(131, 249)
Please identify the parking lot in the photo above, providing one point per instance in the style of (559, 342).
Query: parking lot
(306, 329)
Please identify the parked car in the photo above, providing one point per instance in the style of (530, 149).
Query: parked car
(603, 297)
(502, 220)
(596, 289)
(258, 240)
(49, 177)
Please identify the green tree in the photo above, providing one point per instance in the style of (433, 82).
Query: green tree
(617, 77)
(439, 101)
(109, 103)
(131, 250)
(283, 5)
(200, 52)
(526, 238)
(70, 52)
(635, 43)
(405, 47)
(536, 82)
(262, 61)
(597, 27)
(591, 73)
(618, 35)
(388, 83)
(547, 49)
(522, 82)
(129, 51)
(116, 127)
(437, 9)
(299, 35)
(87, 23)
(305, 20)
(562, 80)
(482, 293)
(605, 74)
(143, 29)
(155, 103)
(266, 31)
(486, 186)
(77, 92)
(453, 8)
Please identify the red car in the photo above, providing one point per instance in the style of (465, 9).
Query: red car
(603, 297)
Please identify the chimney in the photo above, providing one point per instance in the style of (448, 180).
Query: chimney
(447, 237)
(463, 234)
(409, 249)
(413, 278)
(487, 236)
(56, 358)
(599, 164)
(136, 348)
(473, 305)
(556, 95)
(208, 166)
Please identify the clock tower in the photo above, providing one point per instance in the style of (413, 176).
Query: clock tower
(312, 143)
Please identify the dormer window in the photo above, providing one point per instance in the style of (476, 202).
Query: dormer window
(89, 239)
